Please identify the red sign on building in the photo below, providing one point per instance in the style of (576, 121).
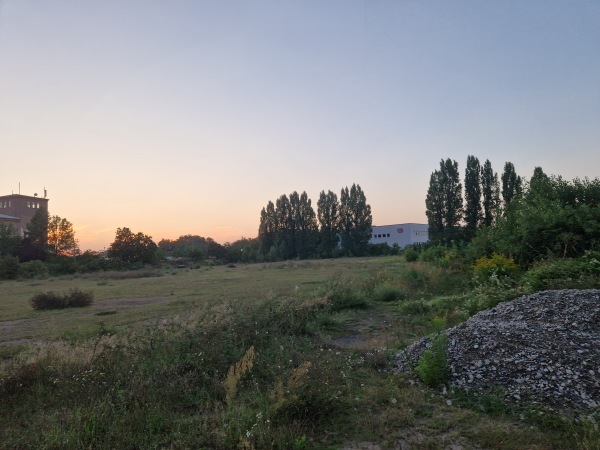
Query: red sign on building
(400, 230)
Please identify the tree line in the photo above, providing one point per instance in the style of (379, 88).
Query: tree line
(545, 216)
(290, 228)
(44, 235)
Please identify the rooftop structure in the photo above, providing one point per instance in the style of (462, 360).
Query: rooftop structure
(18, 210)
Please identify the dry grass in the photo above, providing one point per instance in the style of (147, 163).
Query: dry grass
(246, 357)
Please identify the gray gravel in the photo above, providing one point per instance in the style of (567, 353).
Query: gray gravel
(541, 348)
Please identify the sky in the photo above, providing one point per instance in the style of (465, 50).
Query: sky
(187, 117)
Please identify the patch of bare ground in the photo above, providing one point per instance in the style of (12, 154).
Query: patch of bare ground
(370, 332)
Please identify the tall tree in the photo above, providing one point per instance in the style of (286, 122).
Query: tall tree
(452, 194)
(61, 237)
(267, 230)
(9, 240)
(512, 184)
(473, 214)
(490, 189)
(328, 214)
(133, 247)
(355, 221)
(444, 202)
(286, 246)
(35, 244)
(434, 205)
(540, 184)
(305, 227)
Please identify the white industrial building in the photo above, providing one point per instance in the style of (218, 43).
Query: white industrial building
(402, 234)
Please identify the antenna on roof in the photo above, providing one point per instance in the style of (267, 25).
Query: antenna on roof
(45, 192)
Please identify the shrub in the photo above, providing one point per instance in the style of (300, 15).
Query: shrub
(432, 367)
(52, 300)
(498, 264)
(581, 273)
(9, 267)
(342, 294)
(411, 254)
(33, 269)
(388, 293)
(77, 298)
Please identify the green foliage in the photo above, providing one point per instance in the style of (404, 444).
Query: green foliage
(432, 367)
(9, 267)
(512, 184)
(343, 294)
(33, 269)
(410, 254)
(61, 237)
(490, 190)
(580, 273)
(75, 298)
(133, 247)
(9, 241)
(388, 293)
(473, 213)
(37, 231)
(288, 229)
(328, 215)
(444, 202)
(497, 264)
(355, 221)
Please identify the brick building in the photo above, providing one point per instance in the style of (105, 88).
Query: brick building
(18, 210)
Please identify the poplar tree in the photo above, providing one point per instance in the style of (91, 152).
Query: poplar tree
(452, 195)
(434, 206)
(267, 230)
(328, 215)
(472, 195)
(512, 184)
(490, 189)
(305, 222)
(444, 201)
(355, 221)
(285, 228)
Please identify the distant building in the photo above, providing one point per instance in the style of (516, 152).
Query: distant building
(402, 234)
(18, 210)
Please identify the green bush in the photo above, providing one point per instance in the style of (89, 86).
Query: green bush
(580, 273)
(343, 294)
(411, 254)
(388, 293)
(497, 264)
(432, 367)
(75, 298)
(9, 267)
(33, 269)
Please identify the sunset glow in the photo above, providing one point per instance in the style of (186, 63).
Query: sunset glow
(188, 117)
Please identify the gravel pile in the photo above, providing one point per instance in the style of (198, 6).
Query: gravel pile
(541, 348)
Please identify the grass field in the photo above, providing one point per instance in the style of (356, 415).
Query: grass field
(280, 355)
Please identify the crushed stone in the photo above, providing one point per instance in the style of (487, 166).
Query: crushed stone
(542, 348)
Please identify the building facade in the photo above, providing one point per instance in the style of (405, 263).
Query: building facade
(18, 210)
(402, 234)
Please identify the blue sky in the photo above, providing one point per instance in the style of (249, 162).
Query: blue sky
(187, 117)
